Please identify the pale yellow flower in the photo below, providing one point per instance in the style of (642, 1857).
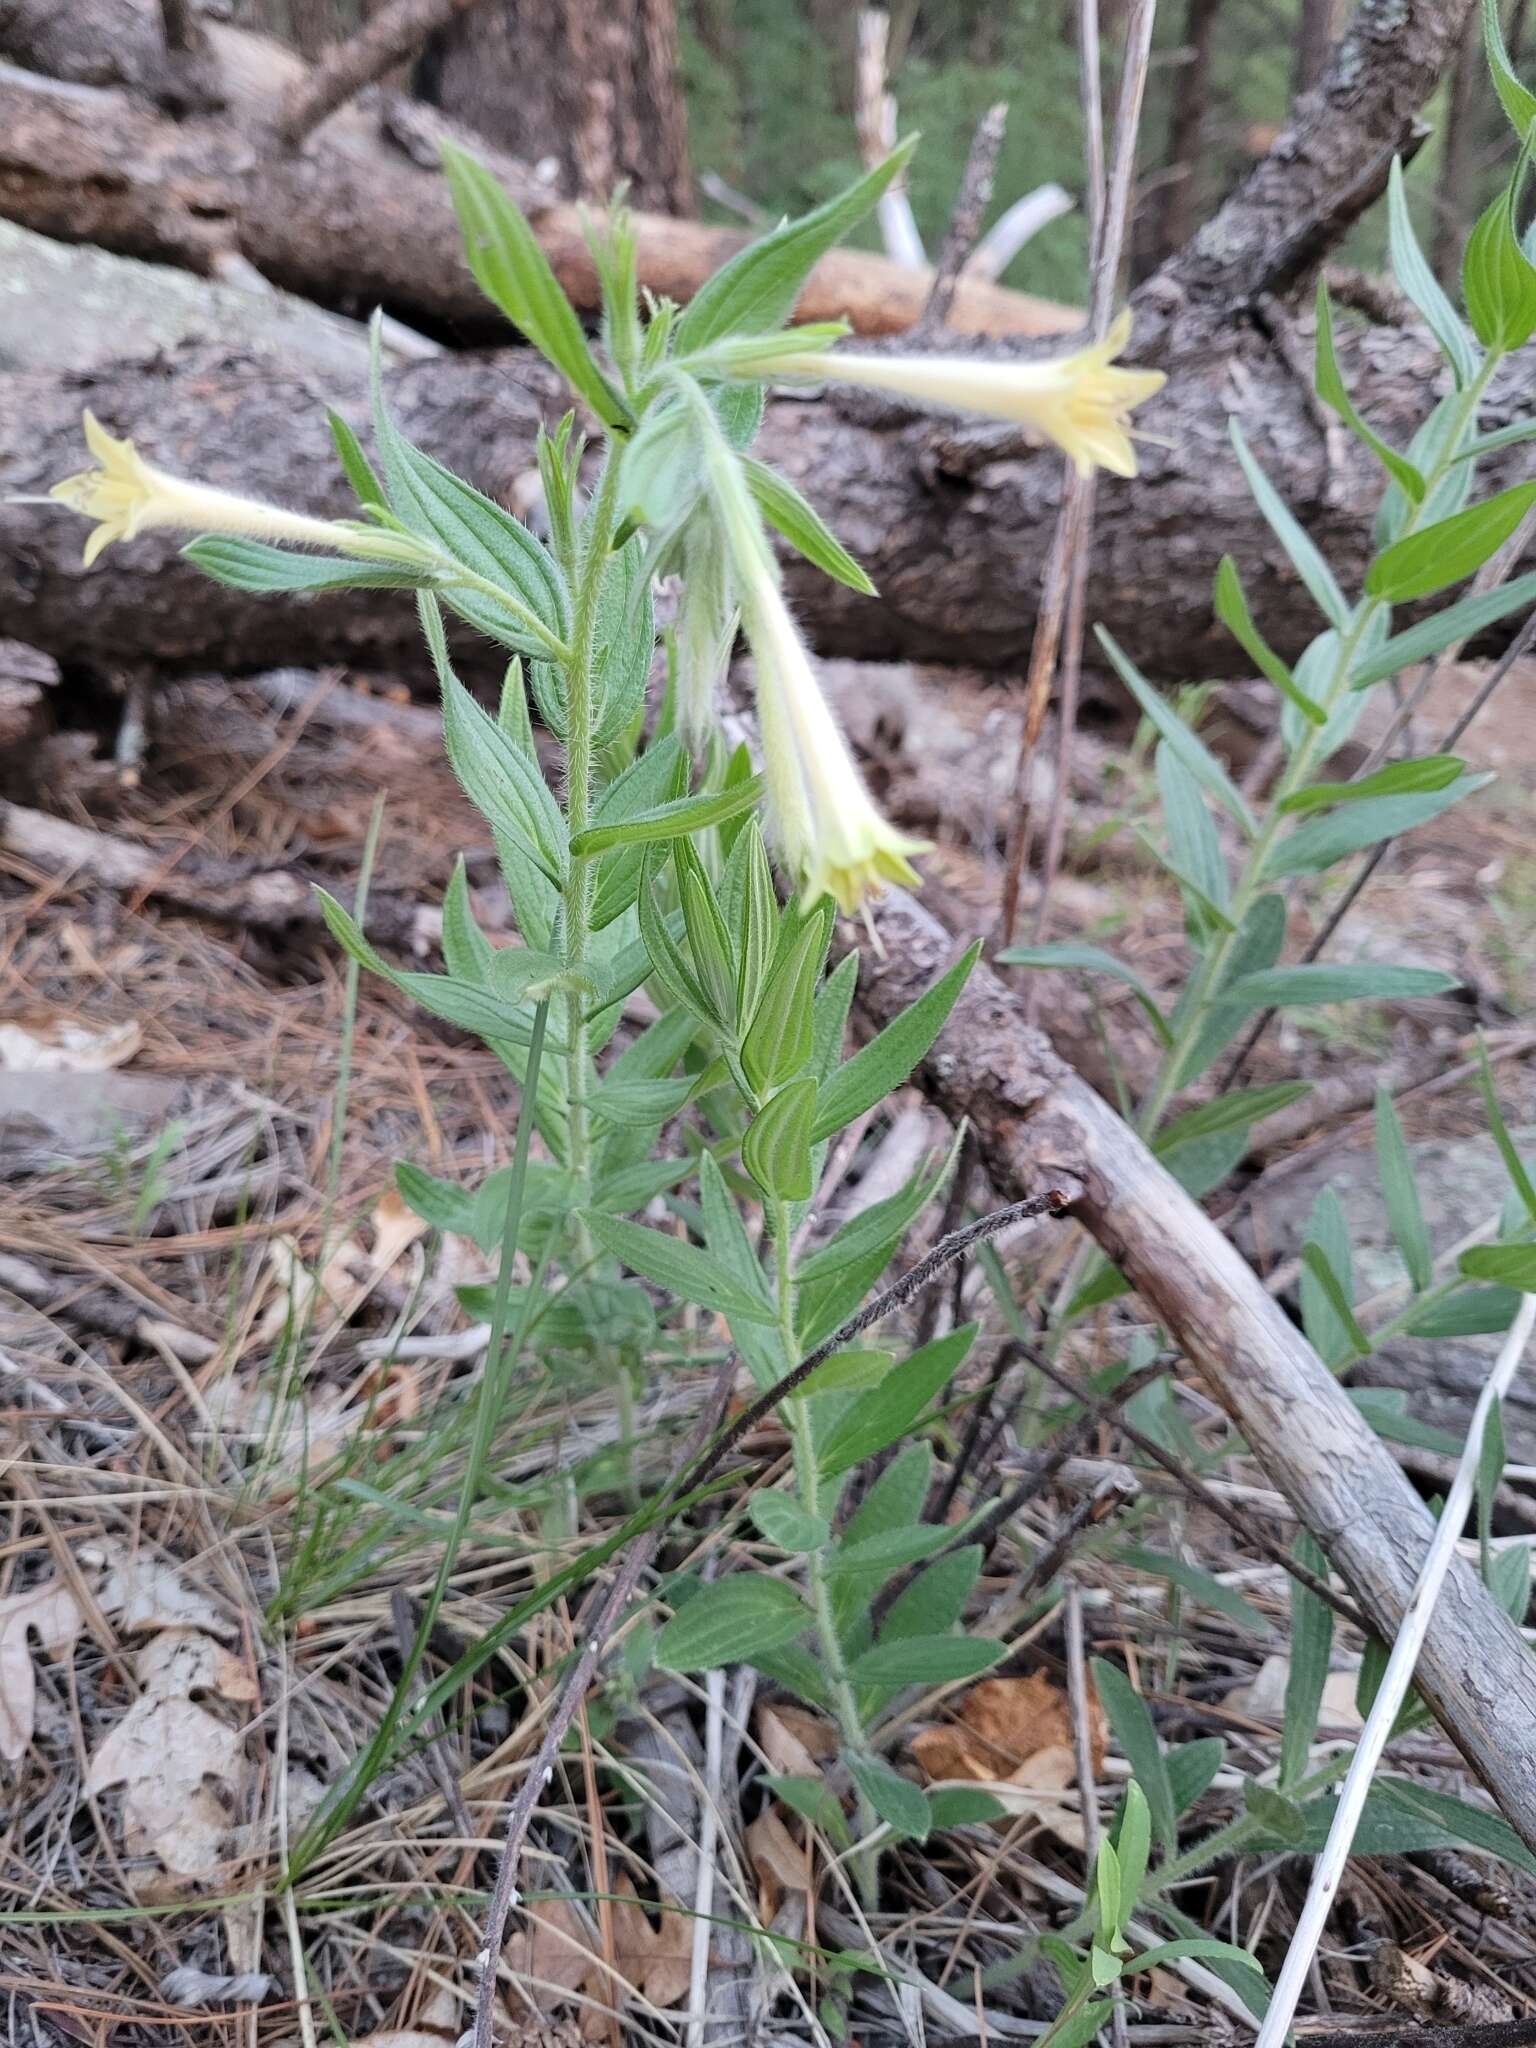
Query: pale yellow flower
(823, 822)
(1081, 401)
(127, 496)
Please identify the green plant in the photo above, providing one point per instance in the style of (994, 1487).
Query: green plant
(646, 862)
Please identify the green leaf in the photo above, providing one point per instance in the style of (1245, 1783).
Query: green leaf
(1490, 1470)
(1420, 285)
(935, 1600)
(1460, 621)
(1319, 982)
(1106, 1885)
(891, 1055)
(1259, 942)
(888, 1411)
(441, 1203)
(1065, 954)
(640, 1105)
(515, 275)
(1131, 1720)
(501, 782)
(359, 470)
(1133, 1845)
(709, 943)
(462, 1003)
(776, 1150)
(1192, 1946)
(802, 526)
(1327, 1285)
(1517, 102)
(1192, 1767)
(1514, 1165)
(477, 533)
(894, 1503)
(1497, 282)
(814, 1800)
(670, 821)
(1197, 858)
(777, 1042)
(1332, 391)
(959, 1806)
(785, 1522)
(756, 290)
(681, 1268)
(1470, 1312)
(925, 1660)
(1190, 749)
(1305, 558)
(1232, 609)
(1077, 2029)
(1234, 1112)
(729, 1622)
(1399, 778)
(1507, 1265)
(1400, 1189)
(1321, 841)
(251, 565)
(893, 1798)
(1439, 555)
(1201, 1586)
(1311, 1648)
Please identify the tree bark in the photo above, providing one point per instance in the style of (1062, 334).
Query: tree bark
(1039, 1126)
(952, 521)
(1316, 26)
(592, 84)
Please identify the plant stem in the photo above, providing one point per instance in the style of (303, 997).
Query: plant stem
(808, 1483)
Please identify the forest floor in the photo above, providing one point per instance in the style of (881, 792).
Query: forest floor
(234, 1371)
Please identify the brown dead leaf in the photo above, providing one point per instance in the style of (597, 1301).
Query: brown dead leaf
(657, 1960)
(183, 1771)
(795, 1742)
(1014, 1735)
(555, 1953)
(51, 1615)
(395, 1229)
(69, 1045)
(782, 1864)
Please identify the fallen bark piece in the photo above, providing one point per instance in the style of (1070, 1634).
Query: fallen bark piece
(1039, 1126)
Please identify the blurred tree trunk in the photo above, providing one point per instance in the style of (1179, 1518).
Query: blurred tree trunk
(1457, 197)
(1178, 215)
(592, 83)
(1317, 29)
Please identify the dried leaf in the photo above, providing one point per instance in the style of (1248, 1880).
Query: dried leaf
(782, 1864)
(1002, 1723)
(556, 1952)
(50, 1614)
(395, 1229)
(1014, 1736)
(795, 1742)
(67, 1045)
(657, 1960)
(142, 1593)
(183, 1771)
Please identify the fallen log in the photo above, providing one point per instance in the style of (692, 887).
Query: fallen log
(1039, 1126)
(351, 219)
(952, 521)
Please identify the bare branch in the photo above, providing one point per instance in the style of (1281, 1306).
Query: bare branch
(395, 33)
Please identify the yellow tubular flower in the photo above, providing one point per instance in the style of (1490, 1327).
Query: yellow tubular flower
(1081, 401)
(825, 827)
(128, 496)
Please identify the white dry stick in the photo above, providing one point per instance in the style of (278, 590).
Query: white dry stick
(709, 1840)
(1328, 1872)
(875, 120)
(1011, 230)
